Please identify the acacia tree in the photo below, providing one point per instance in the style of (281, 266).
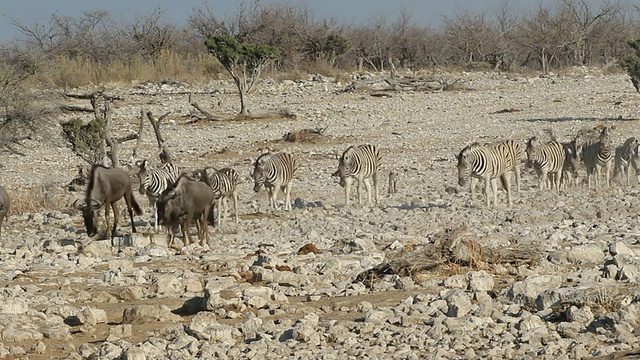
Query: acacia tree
(631, 64)
(243, 61)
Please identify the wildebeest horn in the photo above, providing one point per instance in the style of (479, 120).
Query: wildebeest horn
(79, 204)
(94, 205)
(171, 194)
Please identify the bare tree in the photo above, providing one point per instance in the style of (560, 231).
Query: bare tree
(468, 34)
(407, 40)
(581, 19)
(502, 45)
(540, 35)
(372, 43)
(152, 35)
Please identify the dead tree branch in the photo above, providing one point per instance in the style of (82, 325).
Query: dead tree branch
(71, 108)
(140, 130)
(165, 154)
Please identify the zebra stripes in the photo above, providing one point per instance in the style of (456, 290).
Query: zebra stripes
(275, 171)
(223, 182)
(570, 167)
(154, 181)
(624, 158)
(489, 162)
(597, 155)
(361, 163)
(548, 161)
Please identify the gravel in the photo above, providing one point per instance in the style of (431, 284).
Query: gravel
(253, 294)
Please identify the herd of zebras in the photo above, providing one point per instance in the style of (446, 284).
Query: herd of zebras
(273, 170)
(556, 164)
(204, 191)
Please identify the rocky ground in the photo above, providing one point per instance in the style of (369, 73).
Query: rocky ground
(553, 277)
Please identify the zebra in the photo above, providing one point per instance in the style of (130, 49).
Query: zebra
(597, 155)
(548, 161)
(275, 171)
(154, 181)
(516, 152)
(488, 162)
(624, 158)
(570, 167)
(361, 163)
(223, 182)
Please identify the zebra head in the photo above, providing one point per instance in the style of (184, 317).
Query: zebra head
(605, 134)
(635, 160)
(464, 164)
(142, 166)
(345, 165)
(532, 151)
(258, 172)
(571, 161)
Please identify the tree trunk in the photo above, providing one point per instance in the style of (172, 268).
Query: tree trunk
(243, 109)
(543, 61)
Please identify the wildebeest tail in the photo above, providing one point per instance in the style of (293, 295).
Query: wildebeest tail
(136, 206)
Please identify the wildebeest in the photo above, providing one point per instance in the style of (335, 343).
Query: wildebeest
(224, 184)
(5, 204)
(107, 186)
(183, 203)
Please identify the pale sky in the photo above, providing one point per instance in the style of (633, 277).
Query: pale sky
(423, 12)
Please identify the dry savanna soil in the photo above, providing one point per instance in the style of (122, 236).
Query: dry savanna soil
(53, 270)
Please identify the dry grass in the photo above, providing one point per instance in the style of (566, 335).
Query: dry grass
(65, 71)
(75, 72)
(36, 199)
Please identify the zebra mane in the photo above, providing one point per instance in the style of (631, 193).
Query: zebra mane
(469, 148)
(630, 141)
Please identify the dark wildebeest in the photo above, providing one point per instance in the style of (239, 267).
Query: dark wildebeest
(183, 203)
(107, 186)
(5, 204)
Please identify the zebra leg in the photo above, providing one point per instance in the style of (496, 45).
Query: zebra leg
(347, 189)
(487, 191)
(219, 211)
(359, 188)
(624, 172)
(287, 197)
(607, 173)
(517, 171)
(155, 216)
(507, 185)
(273, 197)
(375, 186)
(367, 186)
(225, 207)
(235, 204)
(474, 182)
